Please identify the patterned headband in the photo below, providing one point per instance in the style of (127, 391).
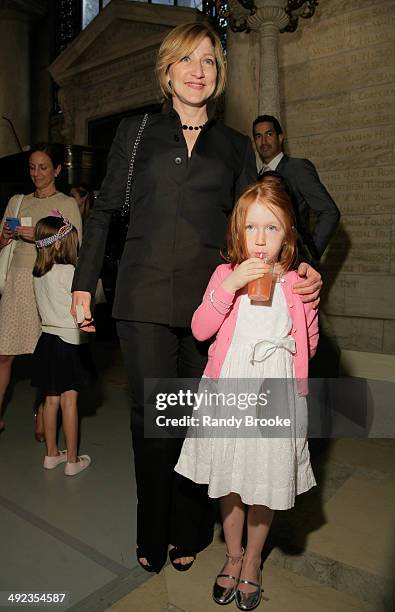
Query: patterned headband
(61, 233)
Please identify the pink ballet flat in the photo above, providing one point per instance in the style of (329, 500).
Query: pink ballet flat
(52, 462)
(71, 468)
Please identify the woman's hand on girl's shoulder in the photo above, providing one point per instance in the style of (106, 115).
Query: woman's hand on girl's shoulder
(249, 270)
(310, 285)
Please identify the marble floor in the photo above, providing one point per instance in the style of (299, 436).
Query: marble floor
(334, 551)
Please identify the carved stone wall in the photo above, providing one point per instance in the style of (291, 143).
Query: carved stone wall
(337, 86)
(337, 75)
(109, 68)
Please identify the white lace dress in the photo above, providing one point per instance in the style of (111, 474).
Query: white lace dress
(250, 461)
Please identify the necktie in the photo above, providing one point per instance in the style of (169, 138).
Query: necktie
(265, 168)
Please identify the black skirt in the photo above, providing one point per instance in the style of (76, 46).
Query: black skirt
(59, 366)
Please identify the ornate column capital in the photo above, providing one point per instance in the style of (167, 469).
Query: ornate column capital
(268, 12)
(247, 15)
(268, 16)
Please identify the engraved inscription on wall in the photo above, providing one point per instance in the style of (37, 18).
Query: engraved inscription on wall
(362, 190)
(343, 72)
(358, 334)
(338, 91)
(341, 31)
(370, 245)
(374, 105)
(367, 147)
(361, 296)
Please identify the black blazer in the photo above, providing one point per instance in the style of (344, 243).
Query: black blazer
(179, 215)
(309, 193)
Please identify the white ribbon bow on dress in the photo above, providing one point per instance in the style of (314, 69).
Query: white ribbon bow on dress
(264, 348)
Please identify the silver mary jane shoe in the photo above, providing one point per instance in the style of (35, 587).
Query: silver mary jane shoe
(249, 601)
(224, 595)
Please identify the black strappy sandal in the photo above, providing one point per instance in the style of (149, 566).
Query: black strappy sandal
(177, 553)
(147, 568)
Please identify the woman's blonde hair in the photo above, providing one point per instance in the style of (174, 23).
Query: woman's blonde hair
(182, 41)
(271, 192)
(46, 257)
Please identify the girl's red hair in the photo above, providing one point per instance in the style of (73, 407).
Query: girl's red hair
(270, 191)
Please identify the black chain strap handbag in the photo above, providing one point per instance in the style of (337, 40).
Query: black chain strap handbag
(125, 210)
(121, 218)
(119, 225)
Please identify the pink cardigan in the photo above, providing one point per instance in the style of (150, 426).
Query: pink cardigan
(207, 322)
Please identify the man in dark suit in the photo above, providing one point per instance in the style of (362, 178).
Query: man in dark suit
(307, 193)
(305, 186)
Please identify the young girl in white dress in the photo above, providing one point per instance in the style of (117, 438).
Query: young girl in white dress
(61, 360)
(253, 474)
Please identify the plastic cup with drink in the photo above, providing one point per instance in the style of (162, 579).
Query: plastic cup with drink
(260, 290)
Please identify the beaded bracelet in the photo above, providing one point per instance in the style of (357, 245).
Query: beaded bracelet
(218, 302)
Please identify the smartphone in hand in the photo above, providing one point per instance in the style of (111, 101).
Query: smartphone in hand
(13, 223)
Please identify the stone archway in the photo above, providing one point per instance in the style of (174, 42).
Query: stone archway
(109, 68)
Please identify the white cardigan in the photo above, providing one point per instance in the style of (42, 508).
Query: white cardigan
(53, 296)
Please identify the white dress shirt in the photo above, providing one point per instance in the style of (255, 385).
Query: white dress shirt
(272, 165)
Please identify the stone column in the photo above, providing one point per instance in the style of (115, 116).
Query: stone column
(269, 18)
(15, 101)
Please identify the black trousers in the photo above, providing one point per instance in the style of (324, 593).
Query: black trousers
(170, 509)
